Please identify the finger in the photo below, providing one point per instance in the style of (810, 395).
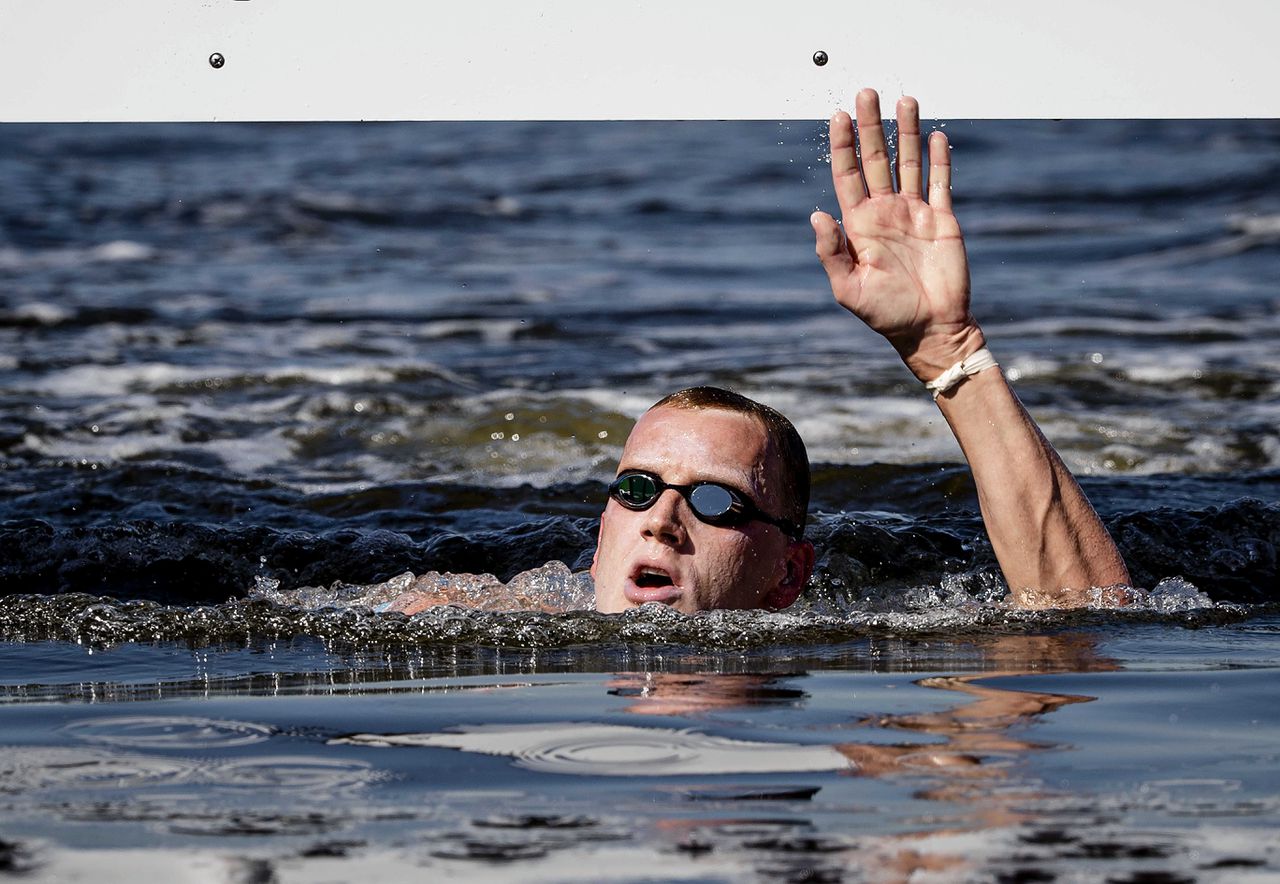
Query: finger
(909, 176)
(875, 158)
(845, 176)
(831, 247)
(939, 172)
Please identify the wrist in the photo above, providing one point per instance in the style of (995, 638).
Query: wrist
(957, 374)
(933, 354)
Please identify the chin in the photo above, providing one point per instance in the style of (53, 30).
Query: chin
(616, 603)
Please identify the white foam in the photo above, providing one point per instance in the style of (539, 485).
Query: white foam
(885, 429)
(43, 313)
(122, 250)
(117, 380)
(116, 251)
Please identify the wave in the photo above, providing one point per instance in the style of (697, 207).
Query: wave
(98, 621)
(183, 536)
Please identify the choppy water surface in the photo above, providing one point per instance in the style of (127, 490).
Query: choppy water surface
(318, 352)
(257, 380)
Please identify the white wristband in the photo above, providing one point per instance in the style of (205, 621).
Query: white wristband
(953, 376)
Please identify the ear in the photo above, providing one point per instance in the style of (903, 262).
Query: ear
(798, 565)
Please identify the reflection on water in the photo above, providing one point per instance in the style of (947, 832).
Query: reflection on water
(612, 750)
(27, 769)
(1000, 757)
(974, 763)
(167, 732)
(976, 733)
(665, 693)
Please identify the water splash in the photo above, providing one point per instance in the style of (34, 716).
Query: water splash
(550, 588)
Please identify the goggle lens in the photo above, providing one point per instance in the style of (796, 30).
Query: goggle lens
(636, 490)
(711, 501)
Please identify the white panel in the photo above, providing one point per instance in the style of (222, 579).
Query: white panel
(606, 59)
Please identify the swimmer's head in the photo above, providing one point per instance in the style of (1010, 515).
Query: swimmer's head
(733, 543)
(785, 443)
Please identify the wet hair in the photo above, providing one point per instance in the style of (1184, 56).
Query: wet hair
(781, 433)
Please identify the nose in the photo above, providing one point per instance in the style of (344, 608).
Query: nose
(664, 520)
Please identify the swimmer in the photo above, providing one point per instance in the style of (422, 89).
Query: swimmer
(712, 488)
(708, 505)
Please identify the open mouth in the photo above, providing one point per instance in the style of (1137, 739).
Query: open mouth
(652, 578)
(651, 584)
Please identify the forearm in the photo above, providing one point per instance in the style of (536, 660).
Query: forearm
(1049, 541)
(898, 263)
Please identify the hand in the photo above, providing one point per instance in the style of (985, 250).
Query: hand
(899, 264)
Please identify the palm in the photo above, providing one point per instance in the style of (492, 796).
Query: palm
(899, 262)
(909, 274)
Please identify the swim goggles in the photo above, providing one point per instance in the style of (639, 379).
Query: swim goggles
(711, 502)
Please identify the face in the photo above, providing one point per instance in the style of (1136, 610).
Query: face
(665, 554)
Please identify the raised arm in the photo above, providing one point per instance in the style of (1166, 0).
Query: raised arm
(899, 265)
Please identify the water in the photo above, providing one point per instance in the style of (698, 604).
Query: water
(1133, 752)
(256, 378)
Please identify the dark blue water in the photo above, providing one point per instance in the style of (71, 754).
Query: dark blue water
(250, 374)
(320, 352)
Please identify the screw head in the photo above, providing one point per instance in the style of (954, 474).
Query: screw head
(216, 60)
(819, 58)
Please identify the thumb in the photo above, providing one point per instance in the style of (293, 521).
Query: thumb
(831, 247)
